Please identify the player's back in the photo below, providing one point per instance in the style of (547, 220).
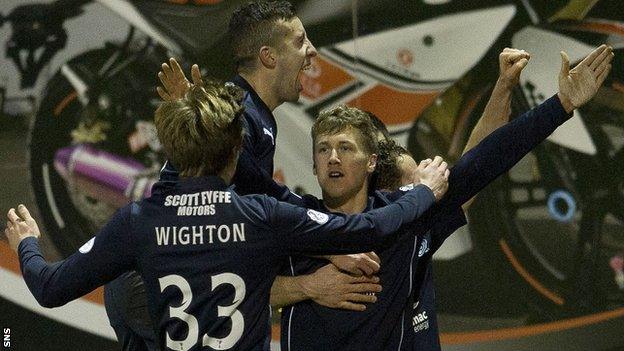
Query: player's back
(208, 264)
(208, 256)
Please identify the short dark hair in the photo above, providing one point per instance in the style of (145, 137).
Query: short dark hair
(253, 25)
(387, 174)
(341, 118)
(200, 131)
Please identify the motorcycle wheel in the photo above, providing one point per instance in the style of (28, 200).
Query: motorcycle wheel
(562, 217)
(549, 227)
(71, 216)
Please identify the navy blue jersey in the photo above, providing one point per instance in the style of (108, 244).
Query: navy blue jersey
(403, 318)
(254, 171)
(209, 257)
(309, 326)
(421, 321)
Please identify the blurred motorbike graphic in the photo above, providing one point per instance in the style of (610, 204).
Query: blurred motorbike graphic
(555, 223)
(555, 220)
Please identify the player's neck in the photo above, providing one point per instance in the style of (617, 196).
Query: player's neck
(227, 173)
(347, 204)
(263, 86)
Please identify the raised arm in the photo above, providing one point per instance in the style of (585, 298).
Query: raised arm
(503, 148)
(511, 62)
(100, 260)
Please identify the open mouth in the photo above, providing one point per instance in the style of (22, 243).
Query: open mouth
(300, 79)
(336, 174)
(301, 76)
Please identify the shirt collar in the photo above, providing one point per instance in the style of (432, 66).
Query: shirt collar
(370, 204)
(243, 84)
(191, 183)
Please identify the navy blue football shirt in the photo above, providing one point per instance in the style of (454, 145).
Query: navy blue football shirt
(404, 318)
(209, 257)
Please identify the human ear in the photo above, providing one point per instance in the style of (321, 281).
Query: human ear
(267, 57)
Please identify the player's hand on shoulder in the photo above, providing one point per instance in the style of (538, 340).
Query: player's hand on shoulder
(330, 287)
(20, 225)
(433, 174)
(357, 264)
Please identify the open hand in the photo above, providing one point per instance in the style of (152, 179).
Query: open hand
(579, 85)
(357, 264)
(332, 288)
(174, 82)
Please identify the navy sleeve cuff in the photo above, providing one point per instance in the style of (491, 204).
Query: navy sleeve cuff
(555, 103)
(26, 244)
(426, 191)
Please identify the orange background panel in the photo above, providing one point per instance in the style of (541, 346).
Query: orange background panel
(602, 27)
(537, 329)
(323, 78)
(394, 106)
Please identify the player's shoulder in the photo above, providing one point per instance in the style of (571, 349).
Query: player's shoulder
(311, 201)
(258, 204)
(392, 196)
(251, 111)
(125, 212)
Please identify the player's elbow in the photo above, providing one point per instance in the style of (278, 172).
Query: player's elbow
(49, 302)
(49, 299)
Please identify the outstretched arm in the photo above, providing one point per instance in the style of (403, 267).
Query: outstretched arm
(502, 149)
(511, 62)
(301, 231)
(57, 283)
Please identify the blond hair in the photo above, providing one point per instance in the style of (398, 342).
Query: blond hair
(341, 118)
(202, 131)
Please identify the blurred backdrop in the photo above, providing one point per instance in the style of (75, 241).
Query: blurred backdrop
(540, 265)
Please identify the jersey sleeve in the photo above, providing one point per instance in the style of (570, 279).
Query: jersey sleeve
(501, 150)
(493, 156)
(301, 231)
(442, 219)
(108, 254)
